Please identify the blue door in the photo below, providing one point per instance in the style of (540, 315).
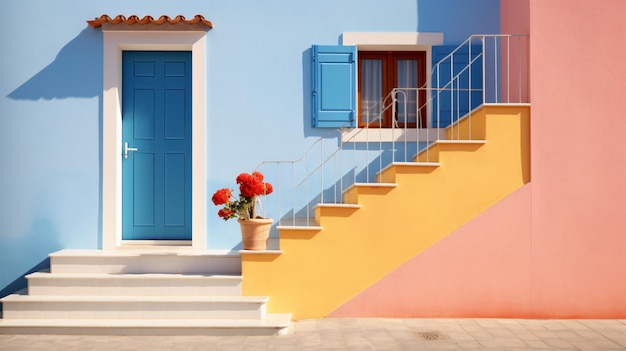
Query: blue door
(156, 137)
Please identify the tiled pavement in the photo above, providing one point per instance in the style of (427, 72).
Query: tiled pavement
(365, 334)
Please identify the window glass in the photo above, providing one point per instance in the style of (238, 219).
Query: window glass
(408, 77)
(371, 91)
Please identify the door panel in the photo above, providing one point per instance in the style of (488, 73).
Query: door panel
(156, 120)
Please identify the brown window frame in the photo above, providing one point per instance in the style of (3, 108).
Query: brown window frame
(390, 81)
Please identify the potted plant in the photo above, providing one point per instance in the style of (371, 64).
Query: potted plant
(254, 229)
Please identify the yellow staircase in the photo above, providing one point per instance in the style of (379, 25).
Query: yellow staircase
(381, 226)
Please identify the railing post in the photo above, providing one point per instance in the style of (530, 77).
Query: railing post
(484, 56)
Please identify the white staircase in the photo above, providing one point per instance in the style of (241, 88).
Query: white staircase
(139, 292)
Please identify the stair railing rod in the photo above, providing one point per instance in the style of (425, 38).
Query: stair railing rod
(469, 94)
(452, 93)
(458, 107)
(406, 122)
(495, 68)
(307, 198)
(519, 70)
(508, 69)
(380, 150)
(403, 95)
(419, 116)
(322, 173)
(394, 100)
(354, 163)
(367, 149)
(280, 211)
(418, 122)
(327, 159)
(427, 159)
(293, 194)
(334, 182)
(341, 168)
(391, 97)
(484, 56)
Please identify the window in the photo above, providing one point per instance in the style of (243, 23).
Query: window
(382, 71)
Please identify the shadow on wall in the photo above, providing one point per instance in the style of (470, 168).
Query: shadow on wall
(26, 251)
(75, 72)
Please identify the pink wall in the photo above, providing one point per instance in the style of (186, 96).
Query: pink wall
(481, 270)
(578, 158)
(557, 247)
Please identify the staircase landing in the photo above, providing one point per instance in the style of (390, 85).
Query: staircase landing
(140, 292)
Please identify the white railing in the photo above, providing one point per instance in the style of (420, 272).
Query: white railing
(485, 69)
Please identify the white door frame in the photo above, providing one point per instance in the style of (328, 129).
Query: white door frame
(116, 40)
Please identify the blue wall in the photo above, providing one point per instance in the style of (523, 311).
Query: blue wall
(257, 101)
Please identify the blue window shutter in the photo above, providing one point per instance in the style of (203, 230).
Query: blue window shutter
(333, 86)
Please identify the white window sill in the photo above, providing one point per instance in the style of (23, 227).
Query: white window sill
(392, 135)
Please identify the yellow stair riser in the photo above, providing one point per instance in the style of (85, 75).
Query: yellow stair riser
(389, 175)
(357, 247)
(351, 196)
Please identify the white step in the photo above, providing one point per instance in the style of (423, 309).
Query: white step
(273, 324)
(147, 284)
(133, 307)
(145, 261)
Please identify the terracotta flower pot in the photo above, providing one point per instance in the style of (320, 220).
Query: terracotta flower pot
(255, 232)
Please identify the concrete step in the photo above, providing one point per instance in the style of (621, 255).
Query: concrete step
(272, 324)
(220, 262)
(133, 307)
(144, 284)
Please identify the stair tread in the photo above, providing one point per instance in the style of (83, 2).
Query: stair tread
(261, 252)
(47, 275)
(300, 227)
(414, 164)
(146, 252)
(376, 185)
(130, 299)
(338, 205)
(270, 320)
(468, 141)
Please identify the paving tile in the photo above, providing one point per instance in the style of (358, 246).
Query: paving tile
(364, 334)
(359, 348)
(477, 332)
(556, 342)
(442, 346)
(526, 335)
(537, 345)
(468, 344)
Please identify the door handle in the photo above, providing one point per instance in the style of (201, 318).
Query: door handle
(127, 149)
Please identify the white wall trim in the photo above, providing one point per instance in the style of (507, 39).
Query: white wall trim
(400, 135)
(383, 40)
(115, 41)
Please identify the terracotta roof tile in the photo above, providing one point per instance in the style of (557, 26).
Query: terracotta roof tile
(120, 19)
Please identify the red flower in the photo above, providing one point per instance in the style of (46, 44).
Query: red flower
(244, 178)
(221, 196)
(258, 176)
(250, 186)
(268, 188)
(225, 213)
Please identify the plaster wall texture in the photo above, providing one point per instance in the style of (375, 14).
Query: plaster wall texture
(578, 158)
(554, 249)
(258, 79)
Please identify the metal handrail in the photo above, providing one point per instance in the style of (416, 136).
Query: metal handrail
(335, 164)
